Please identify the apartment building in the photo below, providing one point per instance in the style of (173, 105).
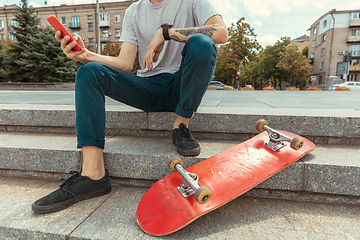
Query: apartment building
(300, 43)
(332, 36)
(79, 19)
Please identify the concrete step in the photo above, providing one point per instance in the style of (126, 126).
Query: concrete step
(329, 173)
(113, 217)
(318, 125)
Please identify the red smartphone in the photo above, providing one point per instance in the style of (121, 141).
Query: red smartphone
(56, 24)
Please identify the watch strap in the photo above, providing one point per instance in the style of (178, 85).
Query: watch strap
(165, 28)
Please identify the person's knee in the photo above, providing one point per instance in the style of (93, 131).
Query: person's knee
(88, 73)
(202, 47)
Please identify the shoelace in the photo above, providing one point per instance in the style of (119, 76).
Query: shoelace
(69, 181)
(185, 133)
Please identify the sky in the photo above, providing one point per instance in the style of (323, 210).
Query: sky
(271, 19)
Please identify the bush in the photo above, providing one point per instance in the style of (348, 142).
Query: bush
(342, 89)
(269, 88)
(292, 89)
(313, 89)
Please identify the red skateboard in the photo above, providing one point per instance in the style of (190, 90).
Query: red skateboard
(181, 197)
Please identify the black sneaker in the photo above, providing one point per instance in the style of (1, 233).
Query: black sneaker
(73, 190)
(185, 142)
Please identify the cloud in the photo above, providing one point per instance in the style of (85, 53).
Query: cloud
(258, 23)
(268, 40)
(34, 4)
(267, 8)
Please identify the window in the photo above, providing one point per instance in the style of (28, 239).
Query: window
(355, 15)
(90, 17)
(117, 33)
(39, 23)
(355, 33)
(105, 33)
(354, 62)
(314, 30)
(117, 18)
(90, 27)
(323, 52)
(355, 50)
(2, 36)
(313, 44)
(75, 21)
(1, 25)
(104, 16)
(324, 37)
(77, 32)
(321, 65)
(63, 21)
(312, 56)
(325, 23)
(14, 23)
(91, 42)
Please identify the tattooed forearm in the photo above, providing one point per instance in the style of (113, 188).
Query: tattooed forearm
(187, 32)
(207, 30)
(176, 38)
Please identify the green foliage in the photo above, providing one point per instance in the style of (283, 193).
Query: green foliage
(36, 55)
(264, 70)
(295, 64)
(305, 51)
(2, 63)
(242, 44)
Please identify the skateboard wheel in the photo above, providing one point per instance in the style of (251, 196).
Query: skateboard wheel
(202, 195)
(173, 161)
(297, 143)
(260, 125)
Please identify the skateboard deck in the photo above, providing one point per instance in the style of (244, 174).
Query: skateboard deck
(164, 210)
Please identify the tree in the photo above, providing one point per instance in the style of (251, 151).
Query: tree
(265, 66)
(44, 61)
(27, 27)
(36, 55)
(296, 64)
(2, 63)
(242, 44)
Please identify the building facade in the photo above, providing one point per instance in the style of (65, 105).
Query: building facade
(79, 19)
(300, 43)
(332, 36)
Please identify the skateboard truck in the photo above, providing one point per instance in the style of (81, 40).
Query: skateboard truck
(190, 184)
(276, 139)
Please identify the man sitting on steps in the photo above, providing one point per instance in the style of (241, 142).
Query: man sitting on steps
(176, 43)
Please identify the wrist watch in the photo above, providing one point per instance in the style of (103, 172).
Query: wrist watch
(165, 28)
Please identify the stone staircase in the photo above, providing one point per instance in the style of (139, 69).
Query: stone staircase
(38, 144)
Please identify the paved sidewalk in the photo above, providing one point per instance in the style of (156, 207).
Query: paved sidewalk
(219, 99)
(113, 217)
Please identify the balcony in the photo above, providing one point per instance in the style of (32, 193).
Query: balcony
(353, 39)
(74, 25)
(105, 39)
(354, 68)
(354, 23)
(311, 60)
(104, 23)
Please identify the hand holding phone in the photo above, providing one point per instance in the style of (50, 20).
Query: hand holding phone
(56, 24)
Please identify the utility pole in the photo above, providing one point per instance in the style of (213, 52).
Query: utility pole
(97, 15)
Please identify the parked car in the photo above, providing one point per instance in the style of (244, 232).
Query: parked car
(220, 85)
(354, 86)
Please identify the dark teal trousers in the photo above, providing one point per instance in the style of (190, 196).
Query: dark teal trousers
(180, 92)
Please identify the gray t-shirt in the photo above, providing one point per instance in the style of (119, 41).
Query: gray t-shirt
(142, 19)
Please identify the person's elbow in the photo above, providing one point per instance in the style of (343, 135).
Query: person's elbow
(222, 36)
